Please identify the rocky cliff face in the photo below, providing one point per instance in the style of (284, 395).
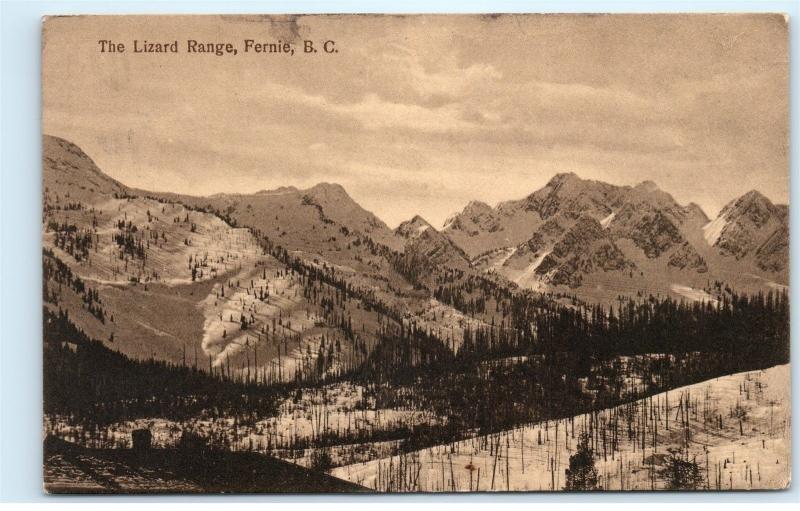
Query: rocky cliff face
(430, 246)
(570, 196)
(585, 248)
(686, 257)
(533, 240)
(412, 229)
(773, 254)
(748, 222)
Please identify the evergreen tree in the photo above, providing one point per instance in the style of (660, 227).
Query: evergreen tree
(680, 473)
(582, 474)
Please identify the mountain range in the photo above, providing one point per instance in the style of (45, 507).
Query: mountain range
(152, 257)
(575, 233)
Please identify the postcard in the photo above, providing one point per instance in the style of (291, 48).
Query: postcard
(415, 253)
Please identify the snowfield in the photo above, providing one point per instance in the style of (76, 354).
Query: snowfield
(736, 428)
(509, 253)
(528, 277)
(176, 239)
(340, 410)
(271, 301)
(697, 295)
(604, 223)
(713, 229)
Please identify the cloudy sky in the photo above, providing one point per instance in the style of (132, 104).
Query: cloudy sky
(423, 114)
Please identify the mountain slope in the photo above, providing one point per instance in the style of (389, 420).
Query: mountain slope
(272, 285)
(654, 243)
(156, 277)
(412, 229)
(753, 229)
(586, 247)
(71, 176)
(317, 218)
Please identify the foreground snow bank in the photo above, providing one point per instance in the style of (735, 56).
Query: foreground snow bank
(736, 428)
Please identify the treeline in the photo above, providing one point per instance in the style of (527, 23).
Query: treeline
(753, 329)
(750, 331)
(90, 383)
(548, 362)
(743, 331)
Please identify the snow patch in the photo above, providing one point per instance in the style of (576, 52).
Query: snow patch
(607, 220)
(510, 252)
(531, 270)
(775, 285)
(713, 229)
(697, 295)
(769, 283)
(449, 220)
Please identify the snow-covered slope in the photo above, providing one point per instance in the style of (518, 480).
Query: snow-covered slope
(736, 428)
(713, 229)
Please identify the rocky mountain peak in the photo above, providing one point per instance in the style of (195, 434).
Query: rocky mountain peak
(476, 206)
(752, 225)
(473, 212)
(328, 191)
(647, 187)
(751, 207)
(413, 228)
(562, 178)
(69, 171)
(695, 211)
(567, 194)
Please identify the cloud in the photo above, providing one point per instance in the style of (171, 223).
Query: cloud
(421, 115)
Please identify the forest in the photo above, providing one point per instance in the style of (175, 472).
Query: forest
(518, 358)
(534, 360)
(95, 385)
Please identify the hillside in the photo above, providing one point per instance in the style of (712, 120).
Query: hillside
(246, 283)
(736, 428)
(71, 176)
(72, 469)
(158, 278)
(310, 219)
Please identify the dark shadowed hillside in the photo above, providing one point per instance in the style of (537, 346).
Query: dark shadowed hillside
(72, 469)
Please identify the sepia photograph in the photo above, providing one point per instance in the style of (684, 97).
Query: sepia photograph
(415, 253)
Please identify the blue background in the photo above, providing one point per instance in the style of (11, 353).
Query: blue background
(20, 226)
